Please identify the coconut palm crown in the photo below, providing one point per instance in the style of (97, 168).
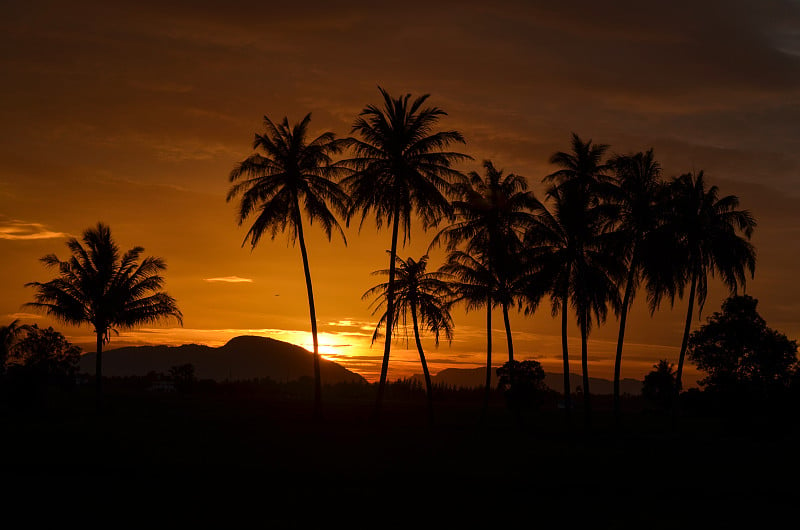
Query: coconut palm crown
(105, 289)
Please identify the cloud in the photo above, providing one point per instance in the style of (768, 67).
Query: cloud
(22, 230)
(228, 279)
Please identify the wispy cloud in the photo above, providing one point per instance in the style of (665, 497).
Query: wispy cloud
(24, 316)
(21, 230)
(228, 279)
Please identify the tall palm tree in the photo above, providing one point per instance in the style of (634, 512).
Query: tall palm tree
(293, 176)
(576, 245)
(401, 166)
(706, 230)
(426, 296)
(492, 215)
(640, 197)
(8, 338)
(100, 287)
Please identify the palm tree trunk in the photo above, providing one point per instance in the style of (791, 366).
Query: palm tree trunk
(565, 354)
(684, 345)
(426, 373)
(389, 313)
(98, 370)
(623, 317)
(488, 390)
(587, 401)
(313, 315)
(508, 333)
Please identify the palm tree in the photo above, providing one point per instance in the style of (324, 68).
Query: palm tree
(426, 297)
(475, 285)
(492, 214)
(575, 252)
(8, 338)
(400, 166)
(292, 171)
(705, 232)
(640, 198)
(99, 287)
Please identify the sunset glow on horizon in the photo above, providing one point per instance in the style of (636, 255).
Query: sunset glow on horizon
(134, 114)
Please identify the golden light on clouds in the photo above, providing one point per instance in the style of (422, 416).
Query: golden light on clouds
(22, 230)
(228, 279)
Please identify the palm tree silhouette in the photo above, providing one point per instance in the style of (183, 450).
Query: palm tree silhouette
(400, 166)
(99, 287)
(475, 285)
(640, 198)
(292, 171)
(706, 236)
(574, 248)
(492, 215)
(426, 296)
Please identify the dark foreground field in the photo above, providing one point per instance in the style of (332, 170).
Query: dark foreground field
(242, 456)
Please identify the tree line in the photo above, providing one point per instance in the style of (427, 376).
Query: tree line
(606, 228)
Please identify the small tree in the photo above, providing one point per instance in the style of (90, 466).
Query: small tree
(45, 356)
(741, 355)
(182, 376)
(659, 385)
(522, 384)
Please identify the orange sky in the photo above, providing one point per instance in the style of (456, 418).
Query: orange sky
(134, 114)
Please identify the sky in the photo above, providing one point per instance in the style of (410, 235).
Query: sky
(134, 114)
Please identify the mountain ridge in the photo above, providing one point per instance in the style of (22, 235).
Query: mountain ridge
(476, 378)
(241, 358)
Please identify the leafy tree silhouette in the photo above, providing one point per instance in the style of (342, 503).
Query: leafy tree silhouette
(292, 172)
(9, 335)
(46, 355)
(426, 296)
(522, 384)
(658, 386)
(743, 358)
(400, 166)
(97, 286)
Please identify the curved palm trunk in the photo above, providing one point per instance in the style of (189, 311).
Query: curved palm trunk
(587, 401)
(98, 371)
(426, 373)
(623, 317)
(684, 345)
(389, 313)
(313, 315)
(508, 333)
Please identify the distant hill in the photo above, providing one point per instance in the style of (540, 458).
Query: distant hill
(245, 357)
(476, 377)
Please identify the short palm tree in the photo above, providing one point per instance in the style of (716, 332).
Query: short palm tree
(401, 166)
(475, 285)
(426, 296)
(492, 215)
(100, 287)
(706, 232)
(293, 176)
(641, 201)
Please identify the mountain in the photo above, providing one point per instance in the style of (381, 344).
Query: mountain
(245, 357)
(476, 377)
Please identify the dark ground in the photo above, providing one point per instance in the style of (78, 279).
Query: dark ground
(260, 459)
